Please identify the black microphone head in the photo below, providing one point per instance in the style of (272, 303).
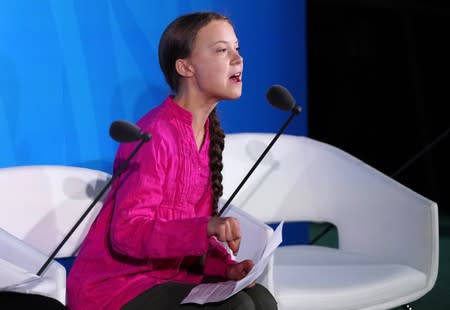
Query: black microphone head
(280, 97)
(124, 131)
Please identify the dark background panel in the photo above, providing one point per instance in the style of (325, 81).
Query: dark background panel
(378, 75)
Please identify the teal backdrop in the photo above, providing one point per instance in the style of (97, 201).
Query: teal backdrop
(68, 68)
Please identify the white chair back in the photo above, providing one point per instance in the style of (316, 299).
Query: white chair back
(40, 204)
(302, 179)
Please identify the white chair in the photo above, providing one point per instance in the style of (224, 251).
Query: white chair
(388, 234)
(39, 205)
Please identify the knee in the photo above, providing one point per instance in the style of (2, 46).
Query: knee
(242, 301)
(262, 298)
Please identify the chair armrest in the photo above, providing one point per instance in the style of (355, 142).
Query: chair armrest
(52, 283)
(375, 215)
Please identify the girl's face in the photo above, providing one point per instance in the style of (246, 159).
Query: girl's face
(216, 63)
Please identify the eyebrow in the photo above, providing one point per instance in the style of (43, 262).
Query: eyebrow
(223, 41)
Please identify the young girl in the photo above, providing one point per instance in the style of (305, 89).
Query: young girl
(157, 235)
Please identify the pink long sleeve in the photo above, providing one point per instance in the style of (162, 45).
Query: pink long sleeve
(154, 220)
(218, 260)
(145, 224)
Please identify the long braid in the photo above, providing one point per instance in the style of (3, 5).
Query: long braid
(176, 43)
(215, 158)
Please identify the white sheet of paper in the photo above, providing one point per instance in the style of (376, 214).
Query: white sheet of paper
(214, 292)
(12, 276)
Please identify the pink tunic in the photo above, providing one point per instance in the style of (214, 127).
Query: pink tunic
(154, 221)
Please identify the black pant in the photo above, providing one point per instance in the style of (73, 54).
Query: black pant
(13, 301)
(169, 295)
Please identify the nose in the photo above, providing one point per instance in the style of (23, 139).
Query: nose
(236, 58)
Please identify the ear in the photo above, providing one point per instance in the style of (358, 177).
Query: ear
(184, 68)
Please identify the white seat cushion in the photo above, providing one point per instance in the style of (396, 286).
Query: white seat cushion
(332, 279)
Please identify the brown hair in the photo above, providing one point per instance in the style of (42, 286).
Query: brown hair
(176, 43)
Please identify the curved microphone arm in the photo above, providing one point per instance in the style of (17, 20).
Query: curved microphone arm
(294, 112)
(144, 137)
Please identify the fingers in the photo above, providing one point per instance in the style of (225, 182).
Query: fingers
(226, 229)
(240, 270)
(247, 265)
(244, 267)
(234, 245)
(251, 284)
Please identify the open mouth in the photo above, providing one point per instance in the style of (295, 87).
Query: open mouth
(237, 77)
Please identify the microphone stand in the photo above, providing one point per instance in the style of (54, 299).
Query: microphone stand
(144, 138)
(294, 112)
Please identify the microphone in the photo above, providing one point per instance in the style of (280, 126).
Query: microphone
(279, 97)
(123, 132)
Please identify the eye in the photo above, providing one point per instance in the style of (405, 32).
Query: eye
(221, 50)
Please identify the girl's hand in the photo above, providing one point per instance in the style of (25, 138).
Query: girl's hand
(226, 229)
(238, 271)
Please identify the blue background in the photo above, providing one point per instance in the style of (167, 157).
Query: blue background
(70, 68)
